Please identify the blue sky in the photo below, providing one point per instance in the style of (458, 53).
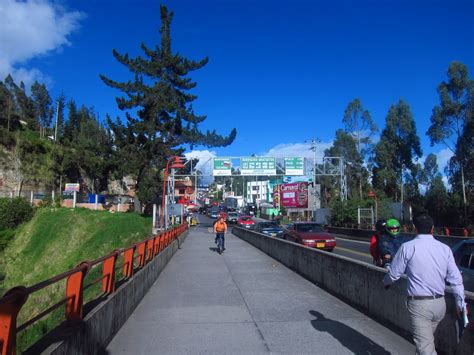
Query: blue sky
(281, 72)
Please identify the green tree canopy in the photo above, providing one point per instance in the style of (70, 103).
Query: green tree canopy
(42, 102)
(398, 145)
(451, 117)
(358, 122)
(160, 119)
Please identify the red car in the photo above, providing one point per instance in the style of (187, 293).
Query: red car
(223, 215)
(245, 221)
(310, 235)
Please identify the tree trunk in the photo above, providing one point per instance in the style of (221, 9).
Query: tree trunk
(464, 194)
(20, 187)
(137, 204)
(9, 114)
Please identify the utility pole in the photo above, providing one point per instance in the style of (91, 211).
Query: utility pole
(313, 142)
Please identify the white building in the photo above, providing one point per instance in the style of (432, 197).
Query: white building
(257, 191)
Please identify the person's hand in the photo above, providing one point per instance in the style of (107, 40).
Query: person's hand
(458, 312)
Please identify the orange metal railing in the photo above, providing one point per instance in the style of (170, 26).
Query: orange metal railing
(13, 300)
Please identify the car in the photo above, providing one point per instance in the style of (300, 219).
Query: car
(214, 212)
(269, 228)
(464, 257)
(232, 217)
(245, 221)
(309, 234)
(223, 214)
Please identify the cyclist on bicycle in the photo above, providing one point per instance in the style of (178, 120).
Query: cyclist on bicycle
(220, 228)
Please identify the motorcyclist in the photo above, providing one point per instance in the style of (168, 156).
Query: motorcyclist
(387, 244)
(374, 249)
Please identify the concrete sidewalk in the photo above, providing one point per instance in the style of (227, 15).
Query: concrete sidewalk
(245, 302)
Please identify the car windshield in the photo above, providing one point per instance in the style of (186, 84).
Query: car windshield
(246, 218)
(309, 227)
(233, 214)
(269, 225)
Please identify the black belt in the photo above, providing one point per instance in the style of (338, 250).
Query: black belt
(424, 297)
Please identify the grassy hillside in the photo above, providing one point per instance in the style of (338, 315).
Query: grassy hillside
(56, 240)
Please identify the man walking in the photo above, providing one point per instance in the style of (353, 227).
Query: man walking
(428, 264)
(220, 228)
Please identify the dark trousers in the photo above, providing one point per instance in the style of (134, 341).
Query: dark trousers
(220, 240)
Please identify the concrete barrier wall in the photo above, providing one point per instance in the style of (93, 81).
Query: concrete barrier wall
(101, 324)
(360, 285)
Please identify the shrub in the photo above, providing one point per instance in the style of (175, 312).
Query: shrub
(5, 237)
(14, 212)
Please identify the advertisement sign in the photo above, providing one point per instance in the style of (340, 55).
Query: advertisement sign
(72, 187)
(257, 166)
(294, 166)
(294, 195)
(222, 167)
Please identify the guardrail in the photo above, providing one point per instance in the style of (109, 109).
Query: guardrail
(12, 302)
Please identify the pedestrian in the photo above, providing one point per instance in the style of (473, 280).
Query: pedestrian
(429, 265)
(220, 228)
(374, 248)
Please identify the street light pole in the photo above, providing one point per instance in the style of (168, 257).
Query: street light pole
(313, 142)
(173, 163)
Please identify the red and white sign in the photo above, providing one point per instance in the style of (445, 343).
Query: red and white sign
(294, 195)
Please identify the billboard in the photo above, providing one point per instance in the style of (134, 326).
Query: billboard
(257, 166)
(72, 187)
(294, 195)
(294, 166)
(222, 167)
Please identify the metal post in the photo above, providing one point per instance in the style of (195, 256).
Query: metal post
(74, 199)
(154, 218)
(96, 201)
(401, 198)
(52, 196)
(31, 197)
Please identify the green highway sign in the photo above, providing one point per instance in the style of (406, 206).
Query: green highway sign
(222, 167)
(257, 166)
(294, 166)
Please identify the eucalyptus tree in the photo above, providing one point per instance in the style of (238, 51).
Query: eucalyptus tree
(394, 154)
(451, 117)
(42, 102)
(359, 123)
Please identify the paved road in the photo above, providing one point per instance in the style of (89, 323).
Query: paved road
(355, 249)
(244, 302)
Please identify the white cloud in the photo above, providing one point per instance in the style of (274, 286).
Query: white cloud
(29, 29)
(205, 163)
(443, 157)
(297, 150)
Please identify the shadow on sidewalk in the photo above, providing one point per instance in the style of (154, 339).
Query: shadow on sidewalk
(351, 339)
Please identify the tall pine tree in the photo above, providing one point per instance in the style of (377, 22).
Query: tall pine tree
(160, 118)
